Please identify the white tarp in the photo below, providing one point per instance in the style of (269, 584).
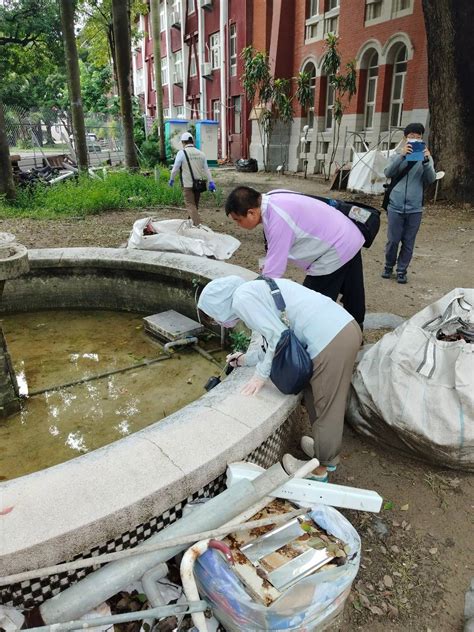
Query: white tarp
(176, 235)
(366, 173)
(414, 390)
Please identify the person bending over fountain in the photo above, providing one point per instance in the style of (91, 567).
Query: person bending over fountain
(330, 334)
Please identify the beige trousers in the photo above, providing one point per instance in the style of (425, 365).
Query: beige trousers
(191, 201)
(325, 397)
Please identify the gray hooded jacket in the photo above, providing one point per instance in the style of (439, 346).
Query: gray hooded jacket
(407, 195)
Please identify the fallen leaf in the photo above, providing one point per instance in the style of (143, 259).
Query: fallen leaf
(395, 548)
(364, 601)
(4, 512)
(376, 610)
(388, 581)
(388, 504)
(404, 507)
(433, 551)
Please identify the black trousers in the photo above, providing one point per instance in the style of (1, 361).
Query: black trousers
(347, 281)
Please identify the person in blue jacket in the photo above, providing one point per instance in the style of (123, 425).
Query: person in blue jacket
(405, 205)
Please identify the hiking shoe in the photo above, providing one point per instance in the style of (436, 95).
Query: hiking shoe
(387, 273)
(401, 277)
(292, 465)
(307, 445)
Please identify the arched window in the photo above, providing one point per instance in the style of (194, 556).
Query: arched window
(371, 90)
(398, 87)
(310, 69)
(329, 106)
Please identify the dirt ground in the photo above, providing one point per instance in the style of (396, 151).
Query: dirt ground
(418, 556)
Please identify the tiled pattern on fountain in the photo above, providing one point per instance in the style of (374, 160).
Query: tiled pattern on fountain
(33, 592)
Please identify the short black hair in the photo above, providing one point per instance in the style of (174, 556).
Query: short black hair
(414, 128)
(241, 199)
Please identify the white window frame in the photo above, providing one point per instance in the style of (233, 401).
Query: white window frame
(178, 66)
(313, 8)
(312, 86)
(180, 112)
(140, 81)
(216, 109)
(399, 10)
(166, 112)
(162, 17)
(192, 62)
(233, 49)
(164, 71)
(191, 7)
(371, 7)
(237, 100)
(372, 79)
(399, 101)
(331, 5)
(215, 50)
(328, 115)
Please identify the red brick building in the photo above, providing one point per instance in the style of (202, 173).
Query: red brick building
(388, 42)
(201, 41)
(201, 44)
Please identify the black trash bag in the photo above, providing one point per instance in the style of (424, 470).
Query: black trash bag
(247, 165)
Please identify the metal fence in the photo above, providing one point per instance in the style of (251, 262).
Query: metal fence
(33, 138)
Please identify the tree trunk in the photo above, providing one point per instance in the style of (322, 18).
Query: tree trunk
(451, 93)
(124, 67)
(74, 83)
(7, 186)
(156, 35)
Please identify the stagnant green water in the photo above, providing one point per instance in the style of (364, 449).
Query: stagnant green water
(54, 348)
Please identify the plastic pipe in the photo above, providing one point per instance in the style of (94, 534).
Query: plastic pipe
(186, 570)
(108, 580)
(181, 342)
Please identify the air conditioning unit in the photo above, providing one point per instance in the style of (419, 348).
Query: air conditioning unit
(206, 4)
(206, 70)
(176, 19)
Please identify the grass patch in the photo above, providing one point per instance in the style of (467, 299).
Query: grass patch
(91, 196)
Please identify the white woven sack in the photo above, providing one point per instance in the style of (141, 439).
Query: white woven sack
(176, 235)
(414, 392)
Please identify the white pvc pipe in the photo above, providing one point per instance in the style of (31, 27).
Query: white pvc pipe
(222, 29)
(186, 570)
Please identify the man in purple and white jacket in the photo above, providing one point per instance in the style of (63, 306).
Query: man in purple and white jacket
(310, 234)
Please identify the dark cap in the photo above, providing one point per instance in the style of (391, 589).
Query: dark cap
(414, 128)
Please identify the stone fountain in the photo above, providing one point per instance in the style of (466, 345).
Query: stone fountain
(13, 263)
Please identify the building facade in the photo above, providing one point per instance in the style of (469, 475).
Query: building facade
(201, 44)
(201, 41)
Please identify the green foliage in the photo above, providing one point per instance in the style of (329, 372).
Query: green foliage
(343, 84)
(96, 84)
(89, 196)
(273, 97)
(239, 341)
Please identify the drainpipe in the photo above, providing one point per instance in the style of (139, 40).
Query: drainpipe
(108, 580)
(201, 58)
(191, 340)
(222, 28)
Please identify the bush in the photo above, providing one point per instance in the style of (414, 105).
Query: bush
(89, 196)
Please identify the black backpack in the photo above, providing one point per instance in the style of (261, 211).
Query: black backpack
(393, 183)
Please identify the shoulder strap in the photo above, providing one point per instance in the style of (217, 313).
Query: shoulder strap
(275, 292)
(394, 181)
(189, 165)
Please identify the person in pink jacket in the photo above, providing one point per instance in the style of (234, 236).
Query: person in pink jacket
(312, 235)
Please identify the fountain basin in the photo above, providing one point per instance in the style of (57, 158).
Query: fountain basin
(120, 494)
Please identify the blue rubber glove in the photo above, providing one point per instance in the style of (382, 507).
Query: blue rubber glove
(171, 182)
(212, 186)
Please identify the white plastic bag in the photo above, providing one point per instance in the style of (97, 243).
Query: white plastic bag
(415, 392)
(309, 605)
(176, 235)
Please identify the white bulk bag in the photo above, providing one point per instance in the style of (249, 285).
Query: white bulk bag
(177, 235)
(415, 392)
